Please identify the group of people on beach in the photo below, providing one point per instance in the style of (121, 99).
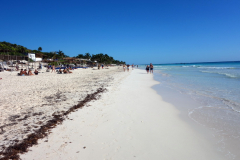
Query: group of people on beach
(61, 70)
(65, 70)
(29, 73)
(149, 67)
(128, 66)
(101, 65)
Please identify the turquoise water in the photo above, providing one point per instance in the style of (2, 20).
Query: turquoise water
(216, 87)
(215, 81)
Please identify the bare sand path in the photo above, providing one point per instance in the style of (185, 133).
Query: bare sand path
(131, 121)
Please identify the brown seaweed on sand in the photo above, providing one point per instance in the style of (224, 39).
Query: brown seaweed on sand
(13, 151)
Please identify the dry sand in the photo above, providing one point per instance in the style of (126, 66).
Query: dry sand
(28, 102)
(130, 121)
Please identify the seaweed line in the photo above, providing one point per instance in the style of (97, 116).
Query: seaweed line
(12, 152)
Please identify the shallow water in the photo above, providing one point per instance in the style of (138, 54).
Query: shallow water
(216, 88)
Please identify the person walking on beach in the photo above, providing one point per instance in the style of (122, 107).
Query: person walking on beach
(17, 67)
(132, 66)
(151, 68)
(124, 67)
(128, 67)
(147, 69)
(53, 69)
(102, 66)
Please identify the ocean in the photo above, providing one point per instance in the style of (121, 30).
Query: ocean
(216, 88)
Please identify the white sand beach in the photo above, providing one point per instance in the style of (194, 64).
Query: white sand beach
(29, 102)
(129, 121)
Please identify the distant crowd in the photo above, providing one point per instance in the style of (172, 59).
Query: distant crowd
(102, 65)
(65, 70)
(128, 66)
(149, 68)
(62, 69)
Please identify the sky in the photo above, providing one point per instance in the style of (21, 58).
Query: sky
(134, 31)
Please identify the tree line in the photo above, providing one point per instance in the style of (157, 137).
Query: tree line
(7, 48)
(100, 58)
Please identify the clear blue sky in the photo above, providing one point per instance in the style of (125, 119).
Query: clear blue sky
(135, 31)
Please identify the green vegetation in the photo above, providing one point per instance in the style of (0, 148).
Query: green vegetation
(7, 48)
(104, 58)
(100, 58)
(40, 49)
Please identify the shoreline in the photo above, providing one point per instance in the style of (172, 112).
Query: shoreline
(223, 141)
(130, 121)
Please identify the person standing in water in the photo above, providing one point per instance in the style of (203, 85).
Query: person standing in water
(151, 68)
(147, 69)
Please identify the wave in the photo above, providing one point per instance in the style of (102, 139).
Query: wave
(161, 67)
(217, 67)
(195, 66)
(226, 74)
(205, 67)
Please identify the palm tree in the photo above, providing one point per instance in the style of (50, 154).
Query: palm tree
(13, 50)
(87, 56)
(54, 55)
(4, 47)
(14, 45)
(61, 54)
(23, 49)
(80, 56)
(34, 51)
(99, 57)
(40, 49)
(1, 46)
(111, 60)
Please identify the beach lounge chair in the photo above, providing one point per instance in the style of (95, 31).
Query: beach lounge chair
(6, 67)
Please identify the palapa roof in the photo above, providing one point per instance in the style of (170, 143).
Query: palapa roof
(39, 55)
